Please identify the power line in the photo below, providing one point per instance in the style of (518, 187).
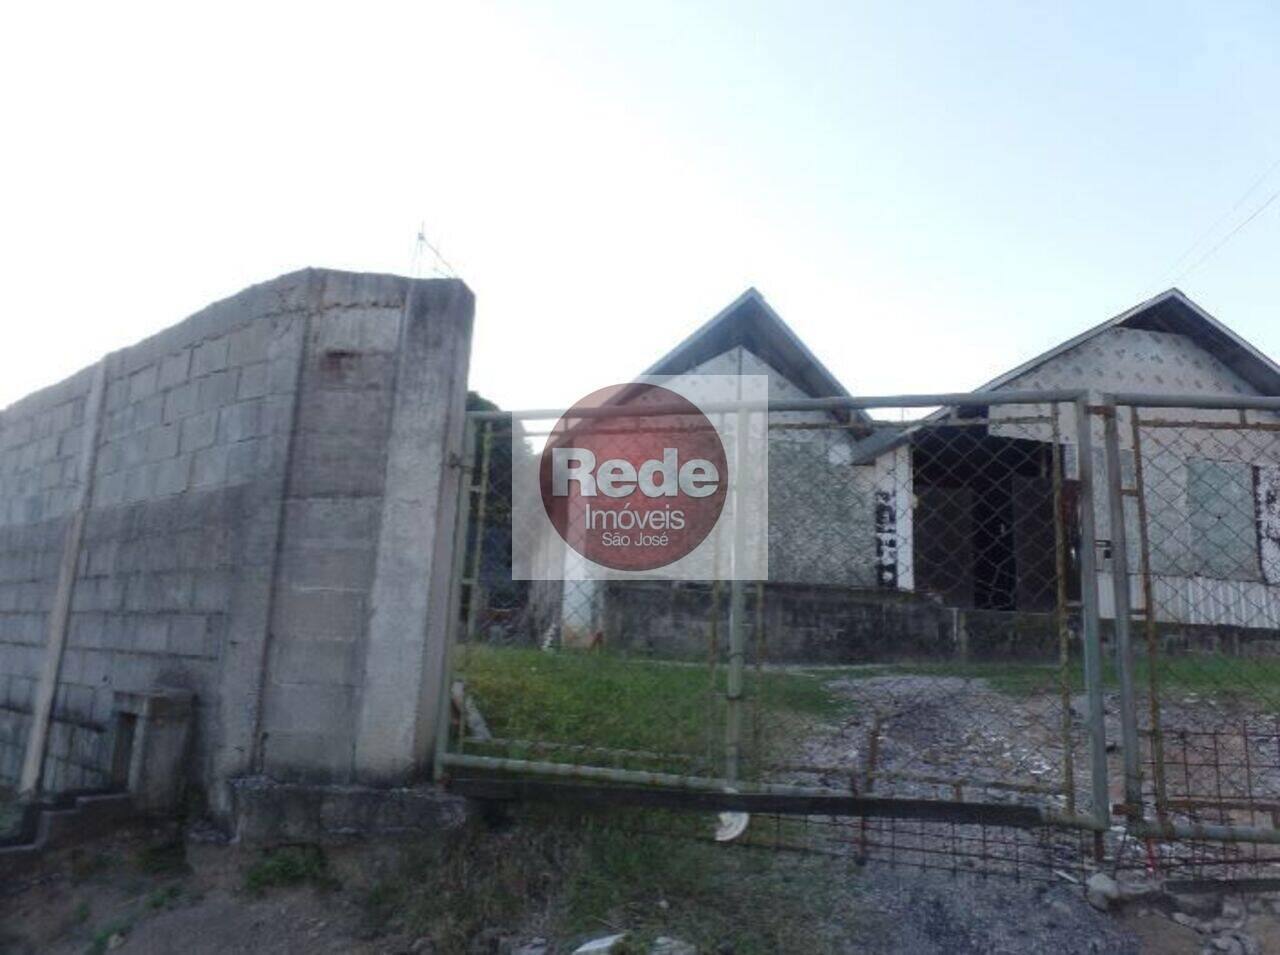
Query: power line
(1218, 223)
(1225, 239)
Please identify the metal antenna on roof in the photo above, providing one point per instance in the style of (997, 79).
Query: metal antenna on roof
(440, 266)
(415, 260)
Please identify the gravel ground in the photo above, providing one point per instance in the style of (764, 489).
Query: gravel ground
(934, 913)
(1005, 747)
(953, 728)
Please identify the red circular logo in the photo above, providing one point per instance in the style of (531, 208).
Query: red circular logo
(634, 491)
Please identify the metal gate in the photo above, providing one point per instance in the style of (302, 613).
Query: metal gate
(951, 662)
(1194, 501)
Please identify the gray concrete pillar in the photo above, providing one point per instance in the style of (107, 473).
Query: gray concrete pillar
(410, 592)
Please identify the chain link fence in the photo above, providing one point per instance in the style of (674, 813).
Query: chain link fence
(1004, 632)
(1195, 565)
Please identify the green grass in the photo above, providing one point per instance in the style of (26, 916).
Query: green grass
(609, 700)
(803, 693)
(87, 864)
(164, 858)
(1216, 675)
(1016, 679)
(572, 879)
(100, 941)
(289, 866)
(165, 897)
(716, 898)
(10, 812)
(671, 717)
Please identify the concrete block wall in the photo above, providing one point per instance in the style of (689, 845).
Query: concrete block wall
(330, 535)
(40, 438)
(232, 529)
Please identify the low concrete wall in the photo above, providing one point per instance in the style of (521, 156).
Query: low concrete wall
(801, 623)
(833, 624)
(232, 537)
(995, 635)
(268, 812)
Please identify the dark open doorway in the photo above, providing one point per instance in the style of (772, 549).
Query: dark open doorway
(984, 526)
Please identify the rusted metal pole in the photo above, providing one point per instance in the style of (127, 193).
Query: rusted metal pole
(705, 794)
(465, 489)
(1149, 616)
(737, 613)
(1121, 613)
(1219, 402)
(733, 681)
(1090, 625)
(869, 780)
(758, 707)
(946, 400)
(713, 660)
(477, 563)
(1064, 630)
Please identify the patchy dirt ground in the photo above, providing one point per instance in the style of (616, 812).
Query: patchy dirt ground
(144, 892)
(131, 892)
(122, 894)
(518, 890)
(117, 896)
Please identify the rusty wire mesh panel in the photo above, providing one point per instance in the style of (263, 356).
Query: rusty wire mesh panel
(931, 578)
(1201, 491)
(1038, 854)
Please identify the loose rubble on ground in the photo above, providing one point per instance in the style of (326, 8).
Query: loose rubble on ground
(910, 733)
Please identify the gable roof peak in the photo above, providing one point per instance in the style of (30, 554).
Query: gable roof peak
(751, 322)
(1171, 311)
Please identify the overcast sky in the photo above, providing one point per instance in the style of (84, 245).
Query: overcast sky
(928, 193)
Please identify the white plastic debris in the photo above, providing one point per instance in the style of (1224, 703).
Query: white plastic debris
(731, 825)
(602, 946)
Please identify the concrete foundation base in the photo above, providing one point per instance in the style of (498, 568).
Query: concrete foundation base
(267, 812)
(67, 820)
